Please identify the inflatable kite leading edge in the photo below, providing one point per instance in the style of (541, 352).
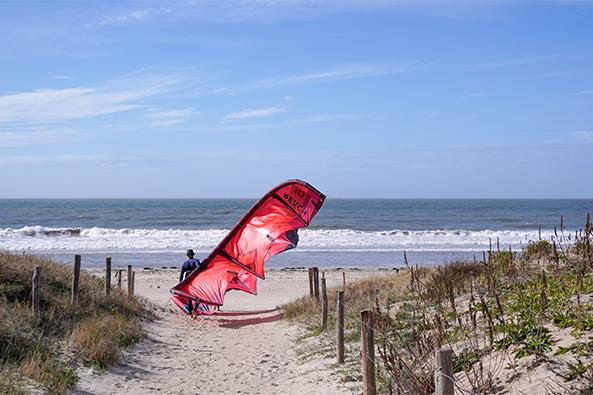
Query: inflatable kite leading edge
(269, 228)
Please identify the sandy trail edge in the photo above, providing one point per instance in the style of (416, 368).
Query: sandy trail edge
(247, 353)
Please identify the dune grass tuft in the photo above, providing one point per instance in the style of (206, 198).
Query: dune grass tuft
(41, 351)
(99, 340)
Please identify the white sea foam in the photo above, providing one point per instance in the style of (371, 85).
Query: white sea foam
(38, 238)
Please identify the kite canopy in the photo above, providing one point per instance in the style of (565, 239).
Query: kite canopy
(269, 228)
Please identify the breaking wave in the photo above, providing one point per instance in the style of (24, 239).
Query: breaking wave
(38, 238)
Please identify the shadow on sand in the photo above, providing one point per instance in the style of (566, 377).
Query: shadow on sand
(240, 323)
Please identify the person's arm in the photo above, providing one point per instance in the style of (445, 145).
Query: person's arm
(183, 270)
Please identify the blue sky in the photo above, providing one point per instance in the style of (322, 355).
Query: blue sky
(362, 98)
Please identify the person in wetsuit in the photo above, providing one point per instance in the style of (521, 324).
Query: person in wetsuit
(189, 265)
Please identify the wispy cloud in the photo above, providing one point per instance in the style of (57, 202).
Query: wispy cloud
(337, 74)
(315, 119)
(52, 105)
(584, 135)
(580, 93)
(475, 94)
(159, 117)
(256, 113)
(507, 62)
(558, 74)
(326, 118)
(134, 15)
(238, 11)
(61, 77)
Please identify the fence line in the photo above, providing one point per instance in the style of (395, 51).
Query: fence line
(445, 381)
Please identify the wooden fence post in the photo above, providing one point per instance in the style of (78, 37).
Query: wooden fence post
(324, 305)
(107, 275)
(35, 294)
(340, 327)
(119, 275)
(367, 350)
(316, 282)
(311, 292)
(76, 281)
(133, 282)
(130, 281)
(443, 374)
(344, 280)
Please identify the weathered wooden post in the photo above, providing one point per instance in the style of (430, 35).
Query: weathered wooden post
(130, 281)
(443, 374)
(311, 292)
(35, 293)
(367, 350)
(324, 304)
(340, 327)
(107, 275)
(344, 280)
(133, 282)
(316, 282)
(119, 276)
(76, 281)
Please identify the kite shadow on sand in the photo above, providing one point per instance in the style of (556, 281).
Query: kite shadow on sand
(253, 320)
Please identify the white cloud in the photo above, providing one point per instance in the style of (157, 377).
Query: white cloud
(256, 113)
(288, 98)
(237, 11)
(170, 117)
(130, 17)
(230, 126)
(584, 135)
(61, 77)
(342, 73)
(53, 105)
(507, 62)
(474, 94)
(326, 118)
(583, 93)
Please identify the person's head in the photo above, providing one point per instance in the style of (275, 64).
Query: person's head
(190, 254)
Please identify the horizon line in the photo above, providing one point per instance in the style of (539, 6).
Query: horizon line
(332, 198)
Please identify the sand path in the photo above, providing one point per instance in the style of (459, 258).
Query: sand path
(246, 350)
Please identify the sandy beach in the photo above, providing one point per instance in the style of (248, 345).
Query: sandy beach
(246, 349)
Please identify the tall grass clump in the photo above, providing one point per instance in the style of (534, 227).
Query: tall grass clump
(47, 350)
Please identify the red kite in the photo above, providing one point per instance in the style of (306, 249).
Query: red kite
(269, 228)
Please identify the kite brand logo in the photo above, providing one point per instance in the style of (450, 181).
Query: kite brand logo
(298, 201)
(300, 193)
(295, 203)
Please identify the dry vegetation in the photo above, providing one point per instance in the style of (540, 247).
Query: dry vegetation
(45, 352)
(517, 322)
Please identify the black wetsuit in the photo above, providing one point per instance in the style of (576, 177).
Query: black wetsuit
(189, 266)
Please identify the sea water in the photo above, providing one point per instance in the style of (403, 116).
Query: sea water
(345, 233)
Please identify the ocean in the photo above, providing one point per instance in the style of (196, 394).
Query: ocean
(345, 233)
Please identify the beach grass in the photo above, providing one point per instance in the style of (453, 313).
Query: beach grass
(511, 318)
(45, 352)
